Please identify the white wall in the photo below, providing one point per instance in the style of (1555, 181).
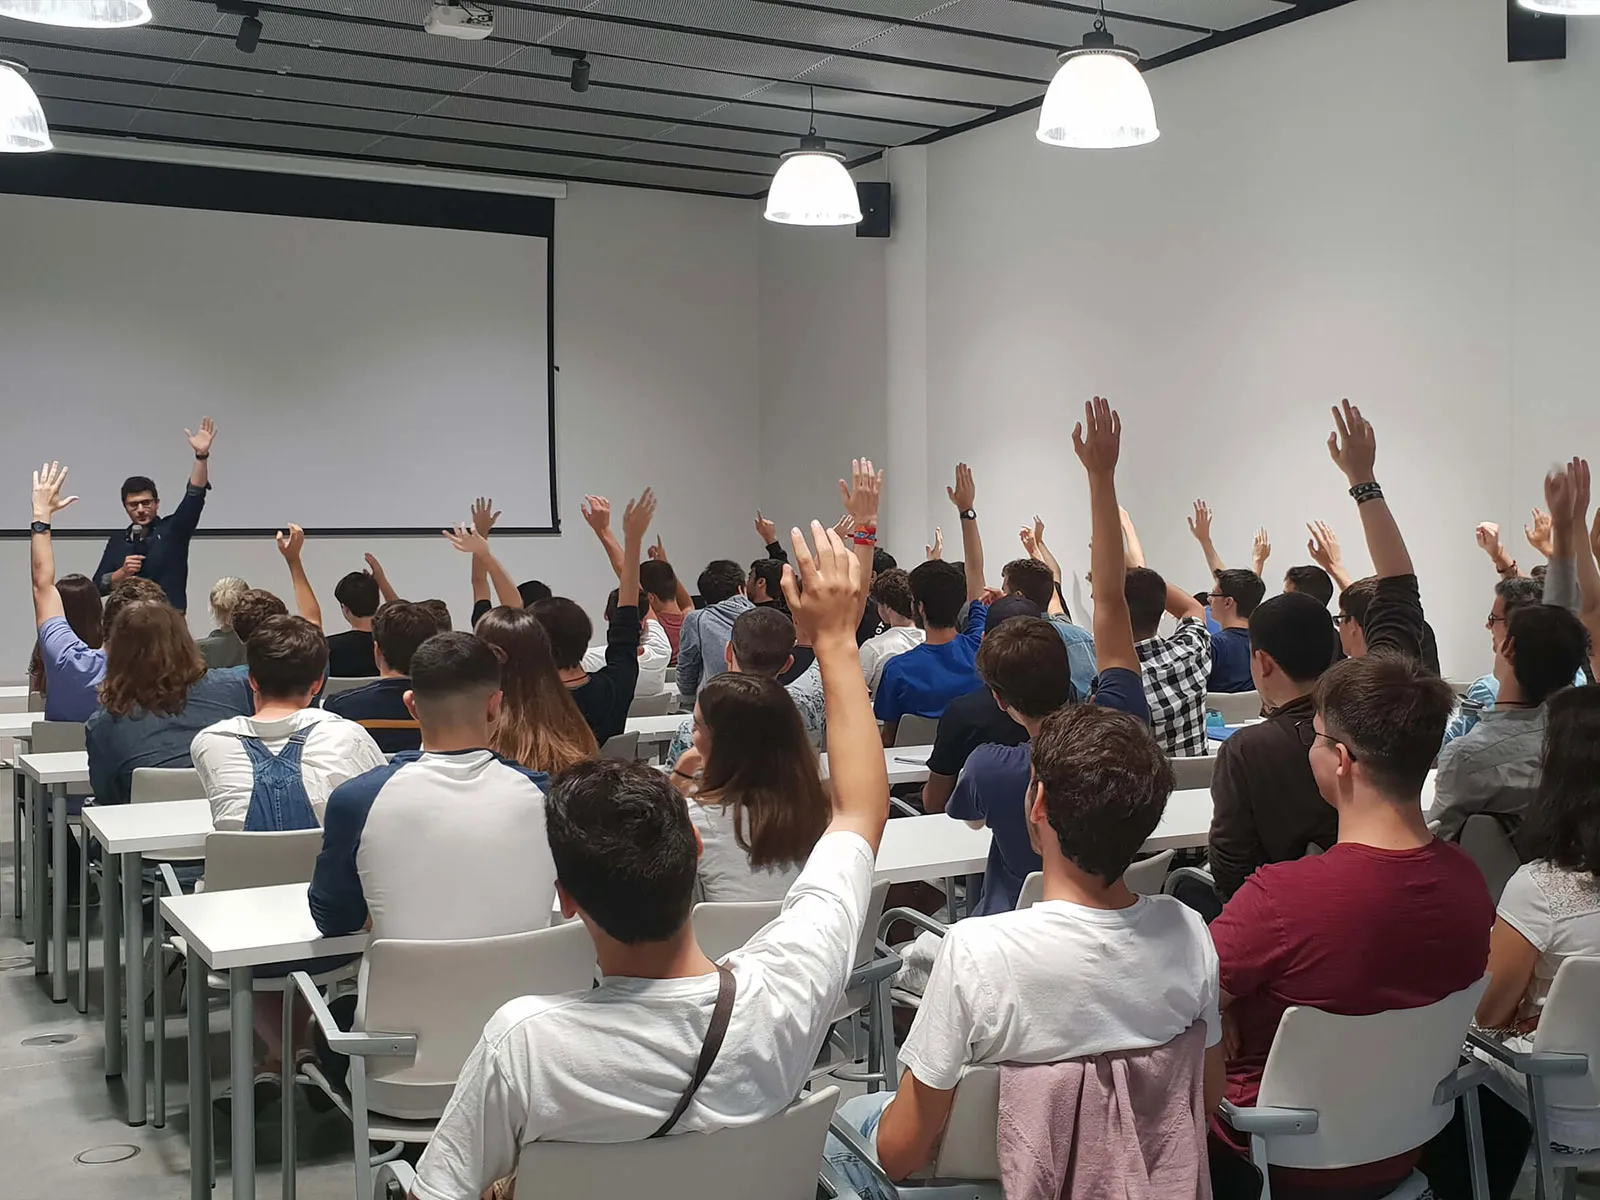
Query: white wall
(657, 337)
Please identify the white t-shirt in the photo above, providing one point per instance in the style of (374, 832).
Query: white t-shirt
(609, 1064)
(655, 652)
(876, 651)
(725, 871)
(335, 750)
(1059, 981)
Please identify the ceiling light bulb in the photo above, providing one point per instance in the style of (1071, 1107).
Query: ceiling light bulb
(812, 187)
(22, 125)
(1098, 100)
(79, 14)
(1563, 8)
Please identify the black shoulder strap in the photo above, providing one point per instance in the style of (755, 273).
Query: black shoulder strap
(715, 1032)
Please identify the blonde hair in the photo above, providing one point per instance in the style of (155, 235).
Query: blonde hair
(225, 594)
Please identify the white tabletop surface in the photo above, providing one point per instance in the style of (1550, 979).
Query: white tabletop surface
(660, 728)
(930, 847)
(254, 927)
(19, 724)
(168, 825)
(906, 764)
(13, 691)
(68, 766)
(1186, 821)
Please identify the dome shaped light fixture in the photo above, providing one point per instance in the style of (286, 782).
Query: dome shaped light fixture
(23, 129)
(812, 186)
(1098, 100)
(79, 14)
(1563, 8)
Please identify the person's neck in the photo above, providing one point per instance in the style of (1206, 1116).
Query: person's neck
(1029, 723)
(277, 710)
(679, 957)
(1511, 695)
(1276, 694)
(1373, 819)
(452, 739)
(1234, 622)
(938, 636)
(1065, 880)
(385, 671)
(573, 676)
(361, 624)
(665, 607)
(894, 620)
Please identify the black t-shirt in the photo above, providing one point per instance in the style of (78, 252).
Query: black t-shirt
(604, 699)
(350, 655)
(380, 700)
(968, 722)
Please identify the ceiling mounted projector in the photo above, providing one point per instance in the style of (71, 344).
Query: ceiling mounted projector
(459, 19)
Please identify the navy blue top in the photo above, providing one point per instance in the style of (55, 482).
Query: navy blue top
(380, 700)
(1230, 662)
(165, 546)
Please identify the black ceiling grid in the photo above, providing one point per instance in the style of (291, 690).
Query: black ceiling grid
(686, 95)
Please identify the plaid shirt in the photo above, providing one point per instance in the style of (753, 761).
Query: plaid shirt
(1174, 671)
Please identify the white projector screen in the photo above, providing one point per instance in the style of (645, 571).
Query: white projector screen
(363, 376)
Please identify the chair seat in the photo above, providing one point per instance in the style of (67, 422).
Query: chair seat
(381, 1128)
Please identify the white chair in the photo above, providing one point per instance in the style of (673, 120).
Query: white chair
(49, 737)
(658, 705)
(725, 926)
(1235, 707)
(153, 785)
(1144, 878)
(916, 731)
(344, 683)
(1562, 1068)
(1192, 772)
(866, 999)
(622, 745)
(1486, 842)
(1318, 1108)
(441, 994)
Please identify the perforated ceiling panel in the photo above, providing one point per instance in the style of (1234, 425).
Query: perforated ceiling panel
(697, 95)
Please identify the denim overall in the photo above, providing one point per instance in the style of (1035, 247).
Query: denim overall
(278, 800)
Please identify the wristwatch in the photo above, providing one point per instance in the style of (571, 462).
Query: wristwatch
(968, 514)
(40, 527)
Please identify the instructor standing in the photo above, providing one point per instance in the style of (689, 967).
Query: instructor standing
(156, 547)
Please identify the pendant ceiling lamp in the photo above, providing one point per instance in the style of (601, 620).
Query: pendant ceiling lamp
(812, 186)
(22, 125)
(1098, 100)
(79, 14)
(1564, 8)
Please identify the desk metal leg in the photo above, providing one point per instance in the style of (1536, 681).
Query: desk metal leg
(199, 1083)
(133, 957)
(58, 892)
(158, 994)
(38, 885)
(17, 842)
(111, 958)
(83, 920)
(242, 1073)
(290, 1154)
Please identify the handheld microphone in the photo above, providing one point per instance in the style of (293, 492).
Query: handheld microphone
(138, 533)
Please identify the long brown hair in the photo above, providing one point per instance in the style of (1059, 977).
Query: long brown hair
(761, 763)
(80, 604)
(151, 661)
(539, 724)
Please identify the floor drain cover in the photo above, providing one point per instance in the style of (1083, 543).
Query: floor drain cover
(50, 1039)
(16, 962)
(99, 1156)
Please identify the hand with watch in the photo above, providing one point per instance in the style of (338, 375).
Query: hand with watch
(48, 483)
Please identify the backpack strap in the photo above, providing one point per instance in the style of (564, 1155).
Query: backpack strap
(715, 1032)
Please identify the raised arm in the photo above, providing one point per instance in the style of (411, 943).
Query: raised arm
(1541, 534)
(767, 531)
(381, 578)
(962, 496)
(200, 443)
(1323, 546)
(1488, 535)
(1353, 446)
(596, 512)
(1041, 551)
(305, 599)
(1098, 442)
(658, 553)
(861, 499)
(1200, 526)
(1262, 550)
(484, 517)
(48, 482)
(1132, 549)
(1573, 580)
(824, 608)
(635, 522)
(470, 541)
(935, 551)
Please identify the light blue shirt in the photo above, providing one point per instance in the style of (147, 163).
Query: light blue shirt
(1080, 653)
(72, 672)
(703, 642)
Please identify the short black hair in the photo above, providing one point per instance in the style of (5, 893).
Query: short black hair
(532, 591)
(449, 665)
(1146, 593)
(940, 589)
(1518, 591)
(1244, 588)
(1011, 608)
(882, 561)
(762, 641)
(1294, 630)
(1106, 784)
(1031, 578)
(770, 572)
(569, 629)
(399, 629)
(1390, 712)
(287, 656)
(1357, 597)
(1025, 663)
(1313, 581)
(721, 580)
(658, 579)
(134, 484)
(624, 848)
(358, 591)
(892, 590)
(1547, 646)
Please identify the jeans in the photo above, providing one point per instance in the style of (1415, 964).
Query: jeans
(861, 1113)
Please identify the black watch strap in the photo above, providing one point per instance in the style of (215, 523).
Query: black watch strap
(968, 514)
(41, 527)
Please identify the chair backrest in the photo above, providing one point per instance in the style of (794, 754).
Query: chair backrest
(1032, 890)
(35, 701)
(1570, 1024)
(651, 706)
(1328, 1063)
(1487, 844)
(724, 926)
(774, 1159)
(154, 784)
(345, 683)
(1145, 878)
(622, 745)
(1193, 772)
(57, 737)
(915, 731)
(969, 1149)
(1235, 707)
(235, 859)
(445, 992)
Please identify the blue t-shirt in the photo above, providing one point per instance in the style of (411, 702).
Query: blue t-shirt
(1230, 662)
(993, 788)
(922, 681)
(72, 672)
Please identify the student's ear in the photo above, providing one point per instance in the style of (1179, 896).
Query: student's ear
(316, 687)
(1265, 667)
(377, 658)
(1037, 813)
(787, 663)
(728, 655)
(568, 908)
(495, 701)
(410, 698)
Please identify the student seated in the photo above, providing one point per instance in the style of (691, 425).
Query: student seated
(1509, 595)
(891, 593)
(222, 646)
(539, 725)
(1033, 578)
(925, 679)
(276, 769)
(1233, 598)
(669, 600)
(655, 653)
(350, 654)
(1312, 581)
(753, 788)
(1174, 670)
(616, 1063)
(703, 637)
(156, 696)
(398, 630)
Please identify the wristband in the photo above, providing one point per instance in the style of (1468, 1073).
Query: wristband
(202, 457)
(1362, 492)
(866, 537)
(1508, 571)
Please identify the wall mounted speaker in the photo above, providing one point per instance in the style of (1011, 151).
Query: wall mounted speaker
(874, 199)
(1534, 37)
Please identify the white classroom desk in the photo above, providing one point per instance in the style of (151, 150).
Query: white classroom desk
(234, 932)
(14, 697)
(906, 764)
(657, 730)
(128, 832)
(56, 772)
(19, 725)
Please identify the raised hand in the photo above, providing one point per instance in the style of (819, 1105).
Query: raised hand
(1030, 544)
(1578, 469)
(129, 568)
(823, 600)
(1038, 530)
(1263, 549)
(596, 511)
(467, 540)
(484, 515)
(1097, 439)
(374, 566)
(1594, 534)
(765, 529)
(1353, 445)
(937, 549)
(291, 543)
(1539, 535)
(47, 484)
(862, 494)
(965, 491)
(1488, 535)
(1324, 547)
(201, 442)
(637, 516)
(1200, 523)
(657, 552)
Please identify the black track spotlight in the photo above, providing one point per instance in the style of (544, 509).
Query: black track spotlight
(249, 35)
(580, 75)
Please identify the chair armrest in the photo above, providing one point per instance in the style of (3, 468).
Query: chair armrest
(832, 1186)
(851, 1137)
(1269, 1122)
(885, 964)
(920, 919)
(1529, 1062)
(1460, 1081)
(905, 806)
(169, 879)
(362, 1045)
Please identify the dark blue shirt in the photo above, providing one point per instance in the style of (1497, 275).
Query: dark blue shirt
(380, 700)
(1230, 662)
(165, 546)
(994, 789)
(119, 745)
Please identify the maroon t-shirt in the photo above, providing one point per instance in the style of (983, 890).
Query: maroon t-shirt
(1354, 931)
(672, 626)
